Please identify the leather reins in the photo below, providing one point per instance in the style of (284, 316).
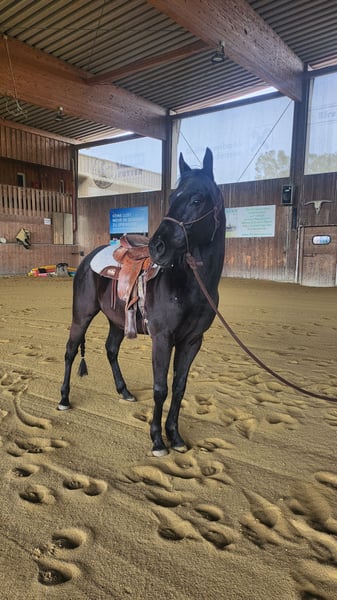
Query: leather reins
(194, 266)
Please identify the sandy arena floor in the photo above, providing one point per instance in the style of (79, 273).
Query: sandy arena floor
(248, 513)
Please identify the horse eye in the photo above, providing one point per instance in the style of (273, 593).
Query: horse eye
(196, 200)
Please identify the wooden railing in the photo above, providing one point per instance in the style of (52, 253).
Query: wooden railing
(32, 202)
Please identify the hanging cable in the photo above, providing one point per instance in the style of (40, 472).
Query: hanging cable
(265, 139)
(96, 34)
(19, 108)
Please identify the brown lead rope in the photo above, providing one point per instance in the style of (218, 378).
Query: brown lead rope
(192, 263)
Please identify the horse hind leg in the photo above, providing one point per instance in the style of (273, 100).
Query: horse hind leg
(76, 337)
(112, 346)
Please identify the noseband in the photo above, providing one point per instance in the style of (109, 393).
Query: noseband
(181, 224)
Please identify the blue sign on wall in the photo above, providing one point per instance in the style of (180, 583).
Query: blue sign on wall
(129, 220)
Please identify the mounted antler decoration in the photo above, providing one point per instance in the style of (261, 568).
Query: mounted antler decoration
(317, 204)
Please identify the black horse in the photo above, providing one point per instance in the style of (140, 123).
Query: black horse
(176, 310)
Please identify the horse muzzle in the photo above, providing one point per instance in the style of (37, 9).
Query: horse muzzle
(159, 252)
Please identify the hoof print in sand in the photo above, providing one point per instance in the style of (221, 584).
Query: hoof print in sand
(37, 494)
(52, 558)
(90, 487)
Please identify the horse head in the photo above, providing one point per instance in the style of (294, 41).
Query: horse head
(195, 212)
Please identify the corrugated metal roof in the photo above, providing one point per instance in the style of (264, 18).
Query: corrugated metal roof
(102, 35)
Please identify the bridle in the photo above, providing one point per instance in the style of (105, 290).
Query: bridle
(183, 224)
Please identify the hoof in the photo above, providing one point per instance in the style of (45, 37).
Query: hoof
(129, 399)
(159, 453)
(63, 407)
(127, 396)
(181, 449)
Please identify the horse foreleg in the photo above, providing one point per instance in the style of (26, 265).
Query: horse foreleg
(161, 354)
(112, 346)
(185, 353)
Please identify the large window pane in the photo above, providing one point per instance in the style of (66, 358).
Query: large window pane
(248, 142)
(321, 155)
(119, 168)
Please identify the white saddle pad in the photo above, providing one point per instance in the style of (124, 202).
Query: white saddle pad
(103, 259)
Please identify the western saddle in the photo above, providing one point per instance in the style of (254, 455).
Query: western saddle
(129, 279)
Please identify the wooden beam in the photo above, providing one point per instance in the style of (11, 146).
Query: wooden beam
(40, 79)
(35, 131)
(148, 63)
(248, 39)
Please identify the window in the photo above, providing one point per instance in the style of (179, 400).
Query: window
(249, 142)
(21, 180)
(120, 167)
(321, 150)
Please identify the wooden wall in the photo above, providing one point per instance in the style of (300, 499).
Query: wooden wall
(93, 216)
(315, 188)
(37, 176)
(261, 257)
(47, 165)
(273, 258)
(31, 147)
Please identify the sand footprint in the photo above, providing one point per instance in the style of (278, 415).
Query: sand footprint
(266, 522)
(34, 445)
(323, 544)
(52, 558)
(90, 487)
(327, 478)
(29, 350)
(149, 475)
(245, 422)
(37, 494)
(209, 512)
(173, 527)
(282, 420)
(144, 417)
(214, 472)
(221, 536)
(316, 581)
(168, 499)
(53, 572)
(204, 405)
(24, 471)
(213, 445)
(181, 465)
(308, 502)
(28, 419)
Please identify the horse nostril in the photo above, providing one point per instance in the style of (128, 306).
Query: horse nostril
(160, 247)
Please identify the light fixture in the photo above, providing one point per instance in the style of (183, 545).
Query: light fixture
(219, 56)
(59, 115)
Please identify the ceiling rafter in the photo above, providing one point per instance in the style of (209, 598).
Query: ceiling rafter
(37, 78)
(249, 40)
(148, 63)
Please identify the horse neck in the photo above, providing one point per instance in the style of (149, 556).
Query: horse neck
(212, 255)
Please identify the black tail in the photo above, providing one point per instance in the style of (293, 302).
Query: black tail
(82, 369)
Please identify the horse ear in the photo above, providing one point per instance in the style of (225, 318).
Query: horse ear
(208, 163)
(183, 167)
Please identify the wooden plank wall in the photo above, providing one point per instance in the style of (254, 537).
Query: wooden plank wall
(47, 166)
(26, 146)
(93, 216)
(261, 258)
(16, 260)
(318, 187)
